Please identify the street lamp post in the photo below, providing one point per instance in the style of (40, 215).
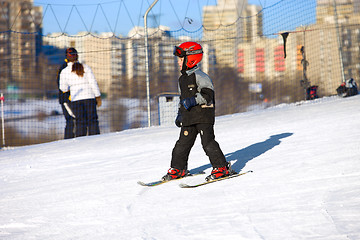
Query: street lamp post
(147, 62)
(339, 43)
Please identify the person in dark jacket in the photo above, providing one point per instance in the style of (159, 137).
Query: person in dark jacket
(196, 115)
(64, 97)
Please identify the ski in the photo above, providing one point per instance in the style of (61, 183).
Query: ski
(183, 185)
(157, 183)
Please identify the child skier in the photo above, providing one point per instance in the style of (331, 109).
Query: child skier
(196, 115)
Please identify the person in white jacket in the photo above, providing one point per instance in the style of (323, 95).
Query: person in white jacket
(85, 96)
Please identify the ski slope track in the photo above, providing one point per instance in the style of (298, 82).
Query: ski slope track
(305, 184)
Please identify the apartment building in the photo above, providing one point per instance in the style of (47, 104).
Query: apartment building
(119, 62)
(18, 51)
(264, 57)
(342, 22)
(229, 23)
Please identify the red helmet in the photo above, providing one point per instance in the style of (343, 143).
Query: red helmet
(191, 51)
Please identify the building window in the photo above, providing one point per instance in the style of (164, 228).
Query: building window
(260, 60)
(240, 61)
(279, 60)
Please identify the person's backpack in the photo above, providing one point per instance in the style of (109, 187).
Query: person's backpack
(311, 93)
(347, 88)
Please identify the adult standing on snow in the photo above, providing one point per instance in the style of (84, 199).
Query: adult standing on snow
(196, 115)
(64, 97)
(85, 96)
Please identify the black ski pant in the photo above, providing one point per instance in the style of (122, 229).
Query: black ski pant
(181, 151)
(69, 125)
(86, 117)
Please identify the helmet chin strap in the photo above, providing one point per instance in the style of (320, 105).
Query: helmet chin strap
(184, 67)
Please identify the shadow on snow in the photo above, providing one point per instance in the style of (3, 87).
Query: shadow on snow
(245, 155)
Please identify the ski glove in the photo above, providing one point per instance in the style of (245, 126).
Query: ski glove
(64, 97)
(178, 120)
(188, 102)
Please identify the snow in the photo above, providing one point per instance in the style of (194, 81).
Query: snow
(305, 184)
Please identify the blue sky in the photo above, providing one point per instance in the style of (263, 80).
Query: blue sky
(119, 16)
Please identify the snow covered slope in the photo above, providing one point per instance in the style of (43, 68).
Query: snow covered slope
(305, 184)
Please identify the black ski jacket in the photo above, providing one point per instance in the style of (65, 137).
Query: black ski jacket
(196, 83)
(63, 97)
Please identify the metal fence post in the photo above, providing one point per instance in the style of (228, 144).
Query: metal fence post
(147, 63)
(339, 43)
(2, 118)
